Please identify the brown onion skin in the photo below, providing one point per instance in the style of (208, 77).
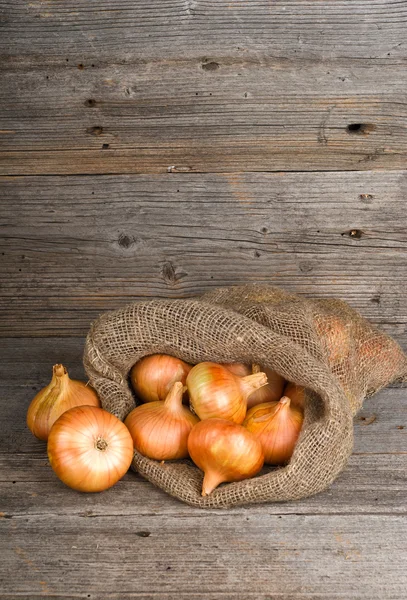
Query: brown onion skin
(277, 426)
(224, 451)
(153, 376)
(215, 392)
(160, 430)
(89, 449)
(271, 392)
(296, 393)
(239, 369)
(61, 394)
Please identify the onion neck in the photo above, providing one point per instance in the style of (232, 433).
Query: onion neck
(173, 401)
(210, 482)
(251, 383)
(280, 407)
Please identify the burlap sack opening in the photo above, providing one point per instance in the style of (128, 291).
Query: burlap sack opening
(323, 345)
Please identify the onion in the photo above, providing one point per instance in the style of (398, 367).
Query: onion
(296, 393)
(160, 430)
(153, 376)
(89, 448)
(277, 426)
(215, 392)
(57, 397)
(224, 451)
(270, 392)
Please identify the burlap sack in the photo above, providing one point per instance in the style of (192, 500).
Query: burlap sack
(323, 345)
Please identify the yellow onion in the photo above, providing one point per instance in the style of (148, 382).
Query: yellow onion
(215, 392)
(61, 394)
(89, 448)
(224, 451)
(296, 393)
(160, 430)
(277, 426)
(238, 368)
(270, 392)
(153, 376)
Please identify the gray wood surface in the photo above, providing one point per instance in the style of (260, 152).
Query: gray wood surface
(199, 86)
(74, 247)
(159, 149)
(134, 541)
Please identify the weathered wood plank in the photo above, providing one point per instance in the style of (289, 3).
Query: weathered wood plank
(278, 92)
(77, 29)
(295, 556)
(74, 247)
(371, 484)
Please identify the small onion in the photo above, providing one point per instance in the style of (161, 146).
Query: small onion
(153, 376)
(224, 451)
(89, 448)
(57, 397)
(215, 392)
(160, 430)
(277, 426)
(296, 393)
(270, 392)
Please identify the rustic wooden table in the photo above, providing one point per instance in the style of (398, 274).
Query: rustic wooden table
(159, 149)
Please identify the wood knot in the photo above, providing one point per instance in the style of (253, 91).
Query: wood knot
(360, 128)
(210, 66)
(143, 533)
(97, 130)
(125, 241)
(168, 273)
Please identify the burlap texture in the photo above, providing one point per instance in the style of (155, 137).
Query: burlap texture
(323, 345)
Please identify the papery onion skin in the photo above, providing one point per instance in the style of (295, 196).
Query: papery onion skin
(160, 430)
(89, 449)
(272, 392)
(239, 369)
(224, 451)
(215, 392)
(277, 426)
(296, 393)
(153, 376)
(61, 394)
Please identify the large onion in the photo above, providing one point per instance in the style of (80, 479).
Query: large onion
(89, 448)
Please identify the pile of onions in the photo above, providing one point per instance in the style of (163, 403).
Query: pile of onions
(239, 417)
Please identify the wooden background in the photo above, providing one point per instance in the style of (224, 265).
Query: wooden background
(159, 149)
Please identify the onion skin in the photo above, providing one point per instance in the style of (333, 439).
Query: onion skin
(215, 392)
(153, 376)
(296, 393)
(271, 392)
(239, 369)
(160, 430)
(277, 426)
(89, 449)
(61, 394)
(224, 451)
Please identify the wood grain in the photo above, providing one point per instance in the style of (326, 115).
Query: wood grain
(278, 92)
(57, 541)
(74, 247)
(296, 556)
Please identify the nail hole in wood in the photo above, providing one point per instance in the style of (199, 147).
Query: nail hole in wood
(81, 66)
(105, 146)
(90, 103)
(360, 128)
